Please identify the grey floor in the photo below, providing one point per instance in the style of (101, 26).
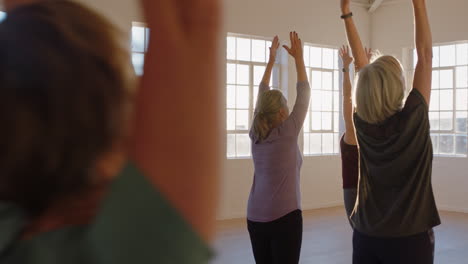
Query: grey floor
(327, 239)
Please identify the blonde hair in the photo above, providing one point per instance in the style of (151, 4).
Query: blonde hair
(380, 90)
(266, 112)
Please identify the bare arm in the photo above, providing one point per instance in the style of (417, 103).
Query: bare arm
(423, 73)
(303, 87)
(265, 84)
(354, 40)
(175, 114)
(348, 110)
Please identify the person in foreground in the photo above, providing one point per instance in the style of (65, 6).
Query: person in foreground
(395, 209)
(274, 214)
(88, 173)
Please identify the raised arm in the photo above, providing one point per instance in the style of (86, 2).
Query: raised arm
(303, 88)
(354, 40)
(265, 84)
(350, 133)
(175, 139)
(423, 73)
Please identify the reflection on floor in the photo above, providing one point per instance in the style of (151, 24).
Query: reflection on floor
(327, 239)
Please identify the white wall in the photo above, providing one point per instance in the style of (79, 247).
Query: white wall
(392, 30)
(318, 22)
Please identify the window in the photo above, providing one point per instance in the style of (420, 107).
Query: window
(247, 58)
(140, 40)
(2, 16)
(321, 127)
(448, 113)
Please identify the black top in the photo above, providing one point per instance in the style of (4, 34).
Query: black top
(395, 196)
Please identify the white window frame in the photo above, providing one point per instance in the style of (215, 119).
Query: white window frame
(336, 110)
(139, 53)
(275, 83)
(455, 90)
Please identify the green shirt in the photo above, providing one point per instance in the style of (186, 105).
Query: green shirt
(134, 225)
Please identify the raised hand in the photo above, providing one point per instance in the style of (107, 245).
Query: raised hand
(274, 49)
(296, 49)
(346, 56)
(175, 96)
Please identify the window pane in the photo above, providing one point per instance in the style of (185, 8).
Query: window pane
(327, 101)
(435, 143)
(316, 80)
(461, 145)
(258, 74)
(447, 55)
(336, 120)
(462, 99)
(462, 54)
(336, 81)
(415, 58)
(462, 122)
(242, 120)
(138, 39)
(243, 145)
(436, 57)
(316, 121)
(258, 50)
(231, 120)
(446, 100)
(446, 79)
(327, 81)
(147, 38)
(446, 121)
(327, 121)
(336, 143)
(138, 60)
(327, 59)
(462, 77)
(243, 49)
(2, 16)
(336, 101)
(327, 141)
(315, 57)
(243, 97)
(336, 60)
(231, 146)
(435, 80)
(307, 122)
(315, 144)
(231, 96)
(316, 100)
(434, 120)
(243, 74)
(231, 73)
(231, 48)
(307, 56)
(306, 143)
(435, 101)
(446, 144)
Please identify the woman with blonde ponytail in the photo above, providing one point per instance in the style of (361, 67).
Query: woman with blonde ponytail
(274, 213)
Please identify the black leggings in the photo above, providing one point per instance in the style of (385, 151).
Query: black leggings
(279, 241)
(416, 249)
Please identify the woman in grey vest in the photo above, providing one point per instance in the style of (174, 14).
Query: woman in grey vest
(395, 209)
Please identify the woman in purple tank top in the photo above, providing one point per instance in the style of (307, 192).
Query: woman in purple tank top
(274, 212)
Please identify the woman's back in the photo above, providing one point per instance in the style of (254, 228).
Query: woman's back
(395, 192)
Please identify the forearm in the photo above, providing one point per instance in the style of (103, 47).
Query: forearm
(165, 123)
(423, 30)
(350, 134)
(301, 70)
(268, 71)
(355, 42)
